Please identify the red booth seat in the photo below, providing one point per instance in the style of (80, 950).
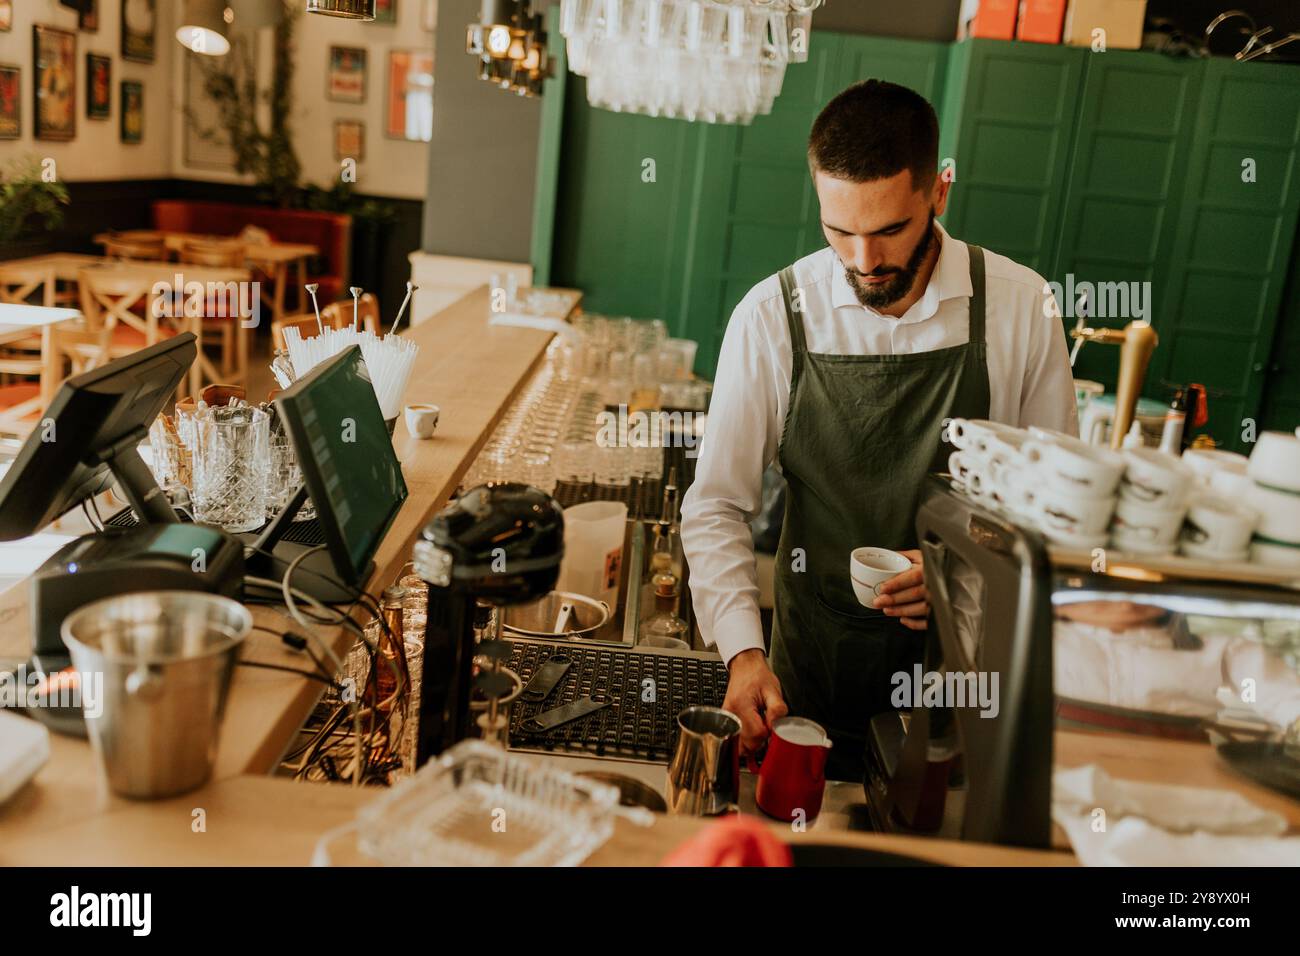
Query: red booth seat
(330, 232)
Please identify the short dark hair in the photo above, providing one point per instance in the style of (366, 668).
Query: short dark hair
(874, 130)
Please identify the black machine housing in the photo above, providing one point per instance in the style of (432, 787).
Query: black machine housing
(498, 544)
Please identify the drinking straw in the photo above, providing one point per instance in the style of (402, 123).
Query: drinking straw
(402, 311)
(311, 288)
(356, 303)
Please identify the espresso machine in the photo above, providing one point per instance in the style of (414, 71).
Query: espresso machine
(497, 545)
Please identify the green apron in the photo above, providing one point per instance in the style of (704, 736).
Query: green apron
(861, 432)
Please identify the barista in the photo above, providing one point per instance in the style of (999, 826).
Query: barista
(843, 370)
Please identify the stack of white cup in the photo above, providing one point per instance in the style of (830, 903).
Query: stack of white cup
(1271, 486)
(1140, 500)
(1046, 479)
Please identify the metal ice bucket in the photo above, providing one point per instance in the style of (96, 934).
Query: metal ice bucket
(166, 659)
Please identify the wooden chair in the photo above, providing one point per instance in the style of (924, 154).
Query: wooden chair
(219, 329)
(123, 302)
(150, 246)
(338, 315)
(23, 284)
(77, 349)
(304, 323)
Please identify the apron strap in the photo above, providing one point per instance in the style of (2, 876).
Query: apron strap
(976, 294)
(798, 344)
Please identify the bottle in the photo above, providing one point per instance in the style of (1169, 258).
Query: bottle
(390, 660)
(664, 628)
(1171, 438)
(1134, 437)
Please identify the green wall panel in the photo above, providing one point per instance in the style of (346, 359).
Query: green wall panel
(1235, 234)
(1008, 124)
(1125, 181)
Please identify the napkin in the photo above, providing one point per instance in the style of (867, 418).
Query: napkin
(24, 749)
(1154, 824)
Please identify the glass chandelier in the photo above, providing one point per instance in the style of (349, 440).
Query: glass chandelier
(715, 61)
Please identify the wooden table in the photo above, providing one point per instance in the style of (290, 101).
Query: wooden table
(276, 259)
(19, 322)
(68, 266)
(473, 371)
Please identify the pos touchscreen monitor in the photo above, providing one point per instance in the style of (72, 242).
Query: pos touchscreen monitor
(348, 465)
(88, 437)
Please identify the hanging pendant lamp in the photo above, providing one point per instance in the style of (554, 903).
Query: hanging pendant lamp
(204, 27)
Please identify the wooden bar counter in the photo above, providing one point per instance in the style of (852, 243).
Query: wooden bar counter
(244, 816)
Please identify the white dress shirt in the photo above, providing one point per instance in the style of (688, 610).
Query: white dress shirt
(1029, 383)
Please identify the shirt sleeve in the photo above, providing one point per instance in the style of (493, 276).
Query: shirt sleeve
(1047, 398)
(741, 439)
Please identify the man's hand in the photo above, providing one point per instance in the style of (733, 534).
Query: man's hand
(753, 695)
(904, 595)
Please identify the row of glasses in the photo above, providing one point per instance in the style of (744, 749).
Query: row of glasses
(555, 432)
(712, 60)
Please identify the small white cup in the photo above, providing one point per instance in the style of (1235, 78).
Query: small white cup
(1154, 478)
(1217, 528)
(963, 466)
(1205, 462)
(1140, 528)
(1279, 513)
(871, 567)
(1066, 512)
(422, 420)
(1070, 464)
(977, 434)
(1275, 461)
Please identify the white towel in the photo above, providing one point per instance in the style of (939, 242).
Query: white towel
(1128, 823)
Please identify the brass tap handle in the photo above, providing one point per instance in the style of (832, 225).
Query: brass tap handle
(1140, 341)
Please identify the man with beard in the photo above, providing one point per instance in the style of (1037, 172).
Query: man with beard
(844, 369)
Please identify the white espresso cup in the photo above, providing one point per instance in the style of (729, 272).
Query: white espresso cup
(422, 420)
(1205, 462)
(1155, 478)
(963, 466)
(1140, 528)
(1072, 465)
(1068, 513)
(980, 435)
(871, 567)
(1217, 528)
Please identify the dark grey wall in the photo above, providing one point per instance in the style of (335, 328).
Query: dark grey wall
(483, 158)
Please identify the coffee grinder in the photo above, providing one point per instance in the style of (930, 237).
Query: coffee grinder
(499, 544)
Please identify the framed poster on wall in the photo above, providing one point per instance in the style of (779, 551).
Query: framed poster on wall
(408, 114)
(99, 85)
(132, 128)
(6, 15)
(54, 55)
(88, 19)
(347, 74)
(139, 30)
(11, 103)
(385, 11)
(349, 140)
